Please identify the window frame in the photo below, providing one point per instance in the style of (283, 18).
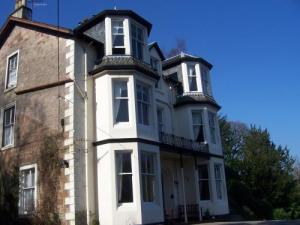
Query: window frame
(22, 168)
(208, 181)
(191, 76)
(6, 88)
(137, 41)
(117, 174)
(115, 80)
(201, 111)
(113, 34)
(148, 174)
(142, 101)
(3, 109)
(221, 180)
(160, 123)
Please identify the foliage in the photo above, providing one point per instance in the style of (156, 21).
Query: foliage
(49, 165)
(9, 181)
(260, 175)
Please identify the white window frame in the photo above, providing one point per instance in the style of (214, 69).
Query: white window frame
(121, 174)
(28, 167)
(154, 174)
(6, 88)
(191, 76)
(221, 180)
(201, 111)
(212, 127)
(114, 80)
(13, 104)
(208, 181)
(141, 101)
(112, 32)
(136, 40)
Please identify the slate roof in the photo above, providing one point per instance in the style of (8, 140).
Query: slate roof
(124, 63)
(183, 57)
(191, 99)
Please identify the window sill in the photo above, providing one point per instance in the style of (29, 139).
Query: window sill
(7, 147)
(9, 89)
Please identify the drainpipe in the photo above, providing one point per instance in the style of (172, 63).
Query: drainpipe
(86, 145)
(183, 190)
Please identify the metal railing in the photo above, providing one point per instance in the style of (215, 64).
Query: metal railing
(181, 142)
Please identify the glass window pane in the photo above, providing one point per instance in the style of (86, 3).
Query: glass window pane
(120, 89)
(125, 193)
(118, 40)
(203, 172)
(121, 110)
(197, 117)
(204, 190)
(145, 114)
(192, 83)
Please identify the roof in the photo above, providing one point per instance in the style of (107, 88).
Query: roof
(11, 22)
(196, 99)
(156, 46)
(124, 63)
(101, 16)
(183, 57)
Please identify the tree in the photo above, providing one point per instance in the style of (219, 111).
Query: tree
(180, 47)
(261, 178)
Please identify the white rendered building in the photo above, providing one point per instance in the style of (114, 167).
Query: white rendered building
(154, 124)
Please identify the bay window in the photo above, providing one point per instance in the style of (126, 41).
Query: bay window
(212, 127)
(27, 192)
(12, 67)
(124, 176)
(8, 126)
(137, 41)
(198, 126)
(121, 112)
(118, 37)
(148, 172)
(143, 104)
(203, 175)
(219, 181)
(192, 78)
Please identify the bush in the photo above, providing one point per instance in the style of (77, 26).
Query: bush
(281, 214)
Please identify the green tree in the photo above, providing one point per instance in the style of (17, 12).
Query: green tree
(260, 174)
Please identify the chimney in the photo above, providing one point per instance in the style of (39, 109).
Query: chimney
(22, 10)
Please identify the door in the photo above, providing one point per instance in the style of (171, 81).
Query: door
(170, 189)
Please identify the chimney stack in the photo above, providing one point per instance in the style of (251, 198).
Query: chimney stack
(22, 10)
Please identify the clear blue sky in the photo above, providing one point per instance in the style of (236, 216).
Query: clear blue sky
(254, 46)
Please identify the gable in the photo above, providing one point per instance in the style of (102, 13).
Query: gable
(12, 22)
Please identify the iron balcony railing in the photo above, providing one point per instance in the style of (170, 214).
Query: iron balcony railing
(181, 142)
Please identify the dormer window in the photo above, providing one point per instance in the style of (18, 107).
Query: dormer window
(137, 41)
(192, 78)
(118, 46)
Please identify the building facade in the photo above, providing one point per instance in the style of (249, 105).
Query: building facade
(141, 141)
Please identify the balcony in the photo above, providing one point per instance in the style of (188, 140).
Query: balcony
(182, 144)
